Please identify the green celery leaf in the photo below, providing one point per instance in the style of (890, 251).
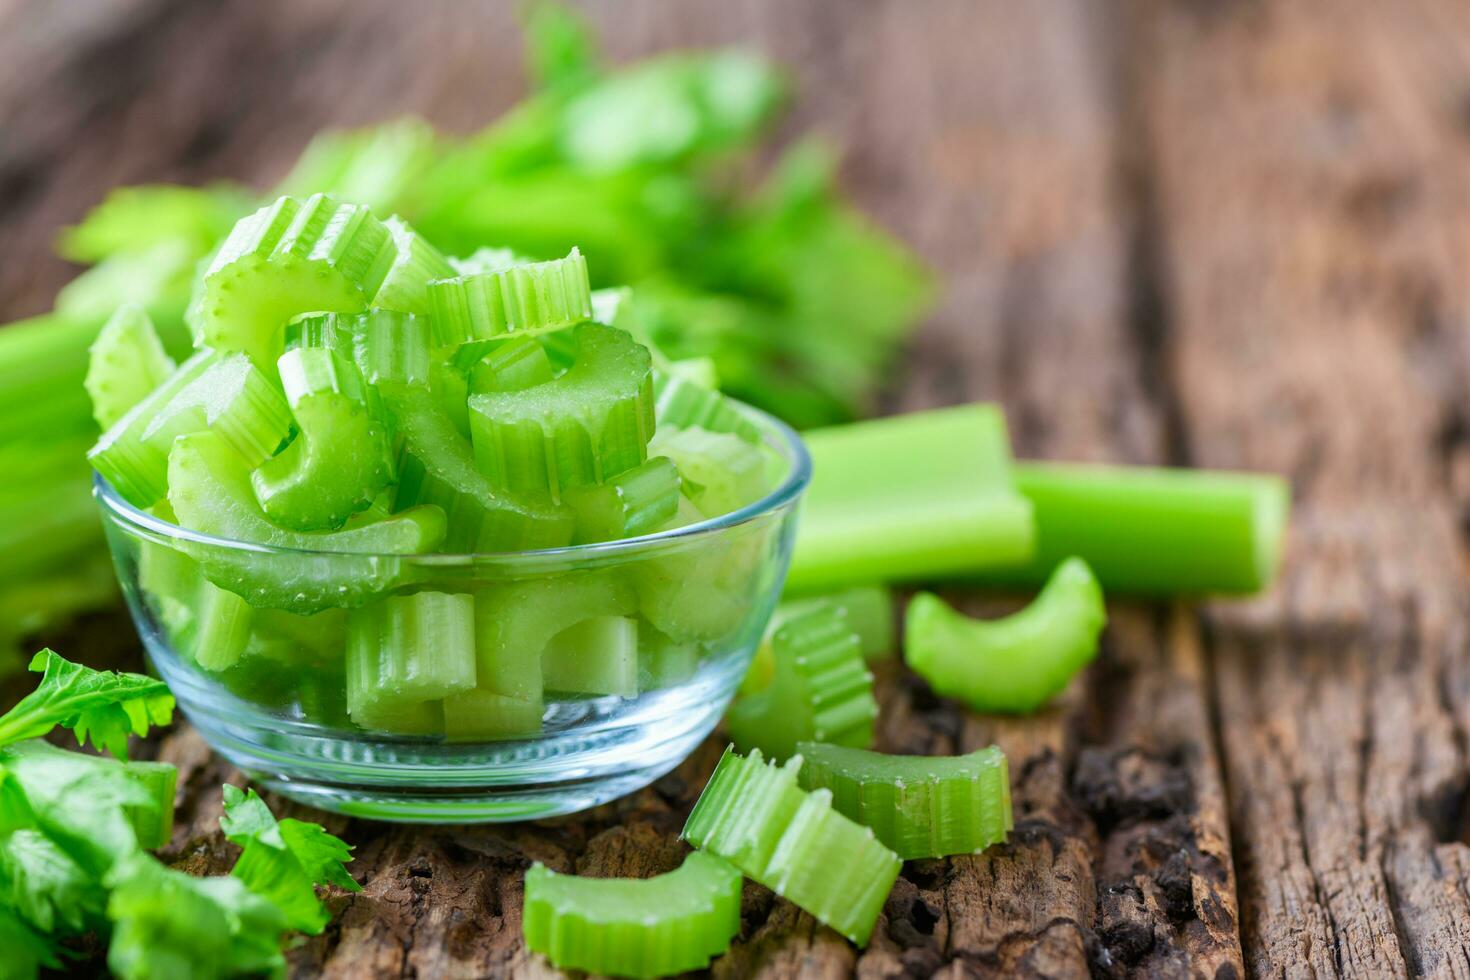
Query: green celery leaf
(44, 884)
(22, 951)
(104, 706)
(320, 853)
(168, 925)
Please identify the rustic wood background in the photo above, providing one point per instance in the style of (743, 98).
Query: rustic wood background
(1230, 234)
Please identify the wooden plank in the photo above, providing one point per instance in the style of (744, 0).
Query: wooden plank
(1309, 172)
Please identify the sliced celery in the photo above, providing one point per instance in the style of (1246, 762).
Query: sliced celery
(406, 286)
(819, 691)
(301, 641)
(682, 403)
(341, 458)
(793, 842)
(474, 716)
(632, 503)
(909, 497)
(869, 611)
(404, 652)
(634, 927)
(663, 661)
(1013, 664)
(526, 299)
(699, 590)
(209, 489)
(586, 426)
(127, 362)
(288, 258)
(721, 472)
(919, 806)
(221, 629)
(596, 656)
(388, 347)
(512, 366)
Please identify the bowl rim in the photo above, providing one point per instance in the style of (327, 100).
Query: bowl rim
(775, 433)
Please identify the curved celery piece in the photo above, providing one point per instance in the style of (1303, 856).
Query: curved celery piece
(682, 403)
(1014, 664)
(389, 347)
(586, 426)
(287, 258)
(919, 806)
(869, 611)
(632, 503)
(225, 394)
(127, 362)
(525, 299)
(634, 927)
(596, 656)
(415, 264)
(820, 689)
(512, 366)
(721, 471)
(209, 490)
(793, 842)
(405, 652)
(341, 458)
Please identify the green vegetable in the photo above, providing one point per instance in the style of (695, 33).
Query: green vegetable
(756, 817)
(103, 706)
(416, 264)
(919, 806)
(820, 689)
(127, 362)
(634, 927)
(404, 652)
(918, 496)
(596, 656)
(683, 403)
(634, 502)
(721, 472)
(1013, 664)
(520, 299)
(869, 611)
(512, 366)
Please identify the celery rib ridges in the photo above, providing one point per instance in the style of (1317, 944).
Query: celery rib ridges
(524, 299)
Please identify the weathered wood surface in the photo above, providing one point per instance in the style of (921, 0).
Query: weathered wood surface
(1230, 234)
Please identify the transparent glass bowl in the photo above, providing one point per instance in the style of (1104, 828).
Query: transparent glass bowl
(635, 646)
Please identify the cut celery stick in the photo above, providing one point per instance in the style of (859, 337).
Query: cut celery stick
(157, 278)
(406, 286)
(682, 403)
(919, 806)
(287, 258)
(341, 458)
(596, 656)
(793, 842)
(869, 611)
(1154, 532)
(404, 652)
(515, 365)
(525, 299)
(1013, 664)
(819, 690)
(584, 427)
(127, 362)
(721, 472)
(221, 627)
(473, 716)
(317, 640)
(700, 590)
(634, 927)
(919, 496)
(209, 490)
(662, 661)
(632, 503)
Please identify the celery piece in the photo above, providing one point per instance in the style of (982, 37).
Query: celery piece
(869, 611)
(1016, 663)
(1153, 532)
(225, 394)
(596, 656)
(406, 286)
(634, 502)
(318, 640)
(45, 527)
(209, 489)
(793, 842)
(915, 496)
(919, 806)
(288, 258)
(512, 366)
(634, 927)
(221, 628)
(820, 689)
(586, 426)
(157, 278)
(341, 458)
(133, 219)
(663, 661)
(683, 403)
(154, 822)
(377, 165)
(404, 652)
(523, 299)
(389, 347)
(127, 362)
(478, 715)
(721, 472)
(701, 589)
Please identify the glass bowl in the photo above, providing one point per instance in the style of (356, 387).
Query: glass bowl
(457, 688)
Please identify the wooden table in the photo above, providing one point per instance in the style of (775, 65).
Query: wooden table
(1213, 233)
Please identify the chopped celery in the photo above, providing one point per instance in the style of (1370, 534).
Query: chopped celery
(221, 628)
(632, 503)
(682, 403)
(524, 299)
(701, 589)
(512, 366)
(586, 426)
(209, 490)
(793, 842)
(288, 258)
(1013, 664)
(127, 362)
(406, 286)
(819, 691)
(919, 806)
(341, 458)
(663, 661)
(910, 497)
(634, 927)
(134, 219)
(869, 611)
(376, 166)
(157, 278)
(596, 656)
(405, 652)
(721, 472)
